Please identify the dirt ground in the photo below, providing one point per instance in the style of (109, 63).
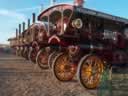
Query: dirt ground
(19, 77)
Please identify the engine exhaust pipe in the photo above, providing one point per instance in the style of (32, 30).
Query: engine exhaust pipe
(28, 23)
(16, 33)
(33, 17)
(19, 29)
(23, 26)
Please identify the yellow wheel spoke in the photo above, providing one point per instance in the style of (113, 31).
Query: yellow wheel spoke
(91, 71)
(63, 70)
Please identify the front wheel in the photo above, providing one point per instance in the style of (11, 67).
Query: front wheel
(63, 69)
(90, 70)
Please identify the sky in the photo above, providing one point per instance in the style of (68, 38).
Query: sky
(13, 12)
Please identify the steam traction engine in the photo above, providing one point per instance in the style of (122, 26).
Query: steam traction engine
(30, 39)
(42, 40)
(24, 52)
(87, 42)
(19, 47)
(20, 42)
(38, 42)
(37, 32)
(33, 46)
(13, 44)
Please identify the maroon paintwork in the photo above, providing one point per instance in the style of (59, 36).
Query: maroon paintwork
(101, 33)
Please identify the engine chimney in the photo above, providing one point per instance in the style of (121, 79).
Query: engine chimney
(33, 17)
(28, 23)
(16, 33)
(19, 29)
(79, 3)
(23, 26)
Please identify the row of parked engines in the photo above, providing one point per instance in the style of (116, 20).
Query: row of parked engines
(70, 39)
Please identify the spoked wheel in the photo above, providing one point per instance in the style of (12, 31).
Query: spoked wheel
(63, 69)
(25, 54)
(42, 59)
(22, 52)
(90, 70)
(51, 58)
(18, 52)
(32, 55)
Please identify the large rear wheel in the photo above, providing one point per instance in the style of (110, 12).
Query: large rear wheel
(51, 58)
(32, 55)
(42, 59)
(90, 70)
(63, 69)
(20, 51)
(25, 53)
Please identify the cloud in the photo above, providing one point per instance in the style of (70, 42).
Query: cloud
(9, 20)
(12, 14)
(28, 9)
